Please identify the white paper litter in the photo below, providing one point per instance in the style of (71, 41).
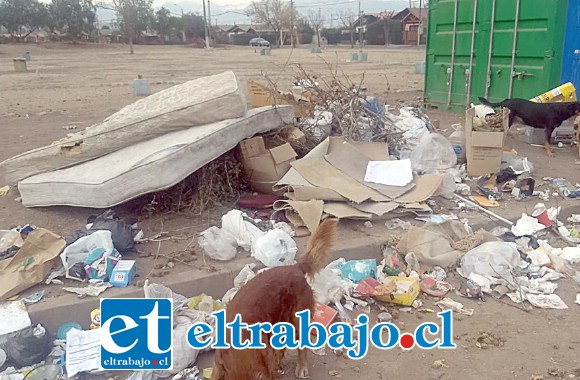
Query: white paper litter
(448, 303)
(92, 290)
(14, 317)
(571, 254)
(83, 351)
(527, 225)
(577, 299)
(546, 301)
(390, 173)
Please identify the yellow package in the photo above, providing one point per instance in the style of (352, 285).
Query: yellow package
(95, 319)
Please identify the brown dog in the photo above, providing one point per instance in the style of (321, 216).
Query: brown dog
(274, 296)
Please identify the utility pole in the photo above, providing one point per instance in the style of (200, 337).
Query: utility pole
(183, 27)
(292, 41)
(205, 26)
(209, 20)
(360, 30)
(420, 29)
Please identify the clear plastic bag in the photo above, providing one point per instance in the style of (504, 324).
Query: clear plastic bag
(218, 243)
(433, 153)
(81, 249)
(491, 259)
(276, 248)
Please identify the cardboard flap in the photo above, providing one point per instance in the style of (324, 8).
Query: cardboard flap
(252, 147)
(487, 139)
(283, 153)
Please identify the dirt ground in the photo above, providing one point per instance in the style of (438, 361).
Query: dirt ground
(79, 85)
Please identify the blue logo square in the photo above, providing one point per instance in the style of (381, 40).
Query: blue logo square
(137, 333)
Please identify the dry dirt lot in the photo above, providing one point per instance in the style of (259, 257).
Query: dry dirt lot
(80, 85)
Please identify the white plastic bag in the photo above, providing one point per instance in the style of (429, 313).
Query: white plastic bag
(276, 248)
(433, 153)
(80, 250)
(244, 232)
(222, 243)
(326, 284)
(218, 243)
(9, 239)
(160, 291)
(491, 259)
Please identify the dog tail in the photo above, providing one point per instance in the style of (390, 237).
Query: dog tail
(486, 102)
(319, 247)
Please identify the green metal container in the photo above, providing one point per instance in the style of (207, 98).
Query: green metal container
(472, 50)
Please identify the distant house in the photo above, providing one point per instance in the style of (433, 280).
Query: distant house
(411, 18)
(228, 33)
(367, 19)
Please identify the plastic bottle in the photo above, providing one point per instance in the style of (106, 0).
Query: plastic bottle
(457, 139)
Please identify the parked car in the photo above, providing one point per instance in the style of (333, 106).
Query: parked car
(259, 41)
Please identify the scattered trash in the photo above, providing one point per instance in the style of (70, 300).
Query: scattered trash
(237, 230)
(368, 224)
(4, 191)
(433, 153)
(398, 290)
(95, 319)
(577, 299)
(448, 303)
(92, 289)
(275, 248)
(434, 287)
(393, 261)
(31, 264)
(546, 301)
(440, 364)
(14, 317)
(389, 173)
(123, 273)
(490, 259)
(33, 298)
(93, 255)
(397, 223)
(83, 349)
(463, 189)
(384, 317)
(27, 346)
(471, 289)
(358, 270)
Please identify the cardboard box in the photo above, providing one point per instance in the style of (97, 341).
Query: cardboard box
(123, 273)
(405, 299)
(294, 134)
(261, 96)
(264, 167)
(484, 149)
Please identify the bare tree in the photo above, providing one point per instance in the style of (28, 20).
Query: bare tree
(136, 16)
(276, 14)
(386, 17)
(316, 21)
(347, 19)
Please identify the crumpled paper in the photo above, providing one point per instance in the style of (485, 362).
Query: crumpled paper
(92, 290)
(527, 225)
(544, 301)
(448, 303)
